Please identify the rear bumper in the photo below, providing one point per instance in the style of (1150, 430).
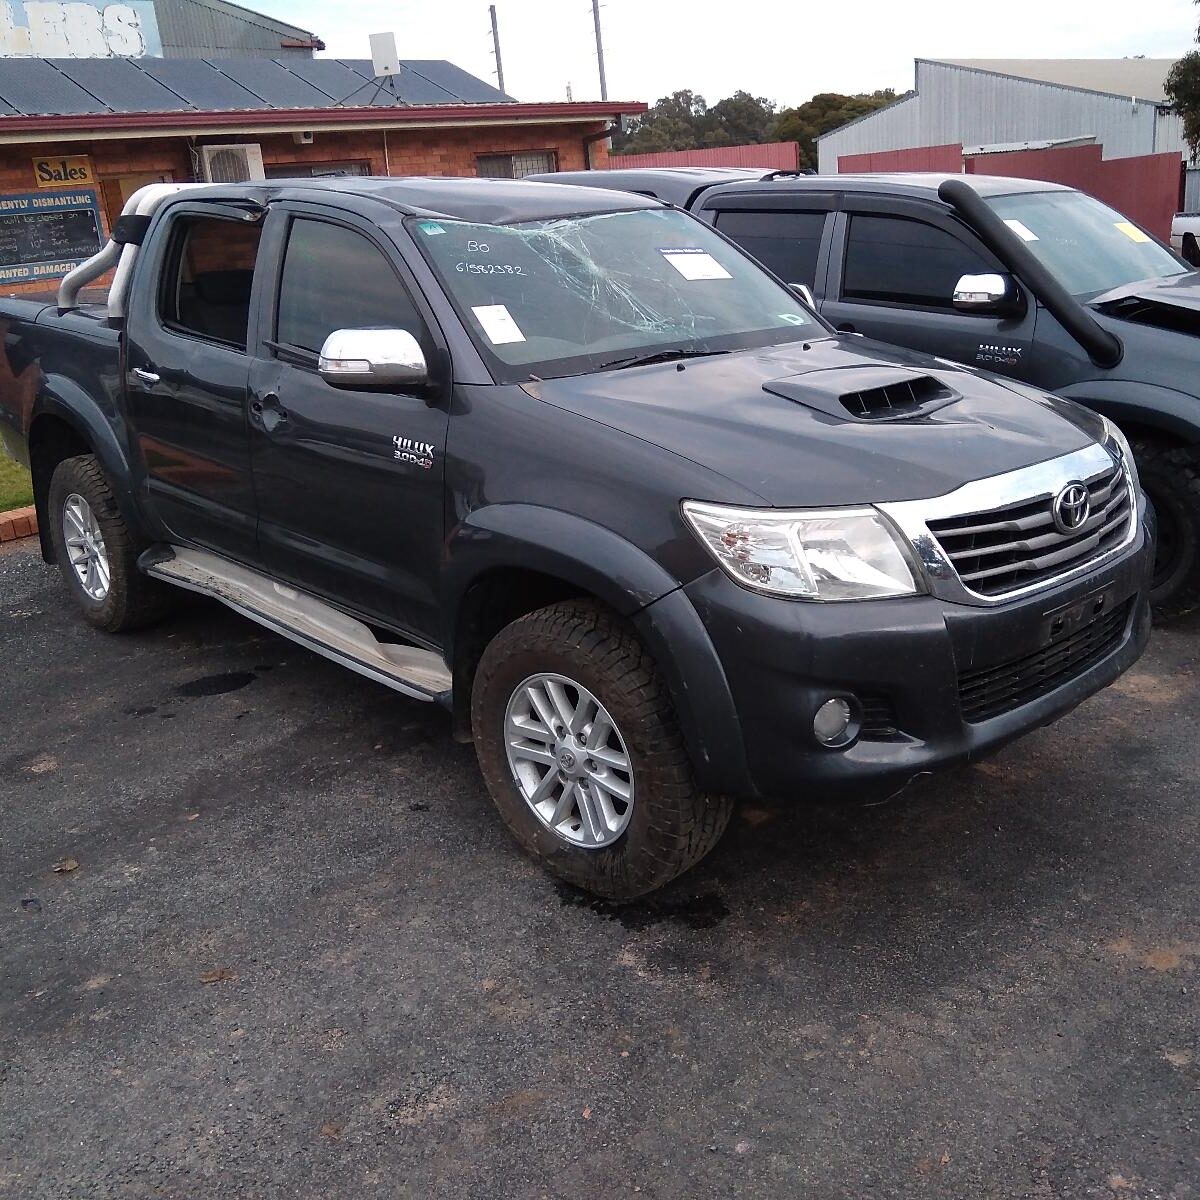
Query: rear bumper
(938, 683)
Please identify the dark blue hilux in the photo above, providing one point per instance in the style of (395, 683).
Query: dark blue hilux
(575, 466)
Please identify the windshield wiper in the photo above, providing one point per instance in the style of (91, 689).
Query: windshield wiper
(658, 356)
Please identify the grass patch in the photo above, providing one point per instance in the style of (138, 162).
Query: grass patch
(16, 488)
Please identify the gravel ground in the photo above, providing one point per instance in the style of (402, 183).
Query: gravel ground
(298, 955)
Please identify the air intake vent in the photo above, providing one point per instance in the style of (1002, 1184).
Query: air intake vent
(899, 399)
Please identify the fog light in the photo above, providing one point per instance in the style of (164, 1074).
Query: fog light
(831, 725)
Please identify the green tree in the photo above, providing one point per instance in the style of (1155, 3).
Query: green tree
(740, 120)
(676, 122)
(1183, 90)
(823, 114)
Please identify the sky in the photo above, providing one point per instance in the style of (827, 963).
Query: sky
(786, 50)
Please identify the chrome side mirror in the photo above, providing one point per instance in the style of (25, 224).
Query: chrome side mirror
(375, 359)
(982, 293)
(805, 293)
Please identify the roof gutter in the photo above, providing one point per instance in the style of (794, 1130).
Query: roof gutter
(103, 126)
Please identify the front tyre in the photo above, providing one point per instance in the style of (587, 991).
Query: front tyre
(581, 752)
(96, 551)
(1170, 476)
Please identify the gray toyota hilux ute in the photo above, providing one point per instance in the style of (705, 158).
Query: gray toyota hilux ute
(1031, 280)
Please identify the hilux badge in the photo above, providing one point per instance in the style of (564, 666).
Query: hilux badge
(1072, 507)
(419, 454)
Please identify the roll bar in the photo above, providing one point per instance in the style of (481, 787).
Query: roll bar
(119, 251)
(1103, 347)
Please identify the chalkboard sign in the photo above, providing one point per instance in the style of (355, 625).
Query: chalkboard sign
(43, 236)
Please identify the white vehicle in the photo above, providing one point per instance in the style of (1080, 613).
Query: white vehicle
(1185, 237)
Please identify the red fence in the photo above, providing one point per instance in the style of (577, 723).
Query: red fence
(919, 158)
(776, 156)
(1148, 189)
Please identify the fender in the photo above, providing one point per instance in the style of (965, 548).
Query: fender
(64, 399)
(1148, 405)
(605, 565)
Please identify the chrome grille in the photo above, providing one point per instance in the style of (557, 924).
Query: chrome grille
(1019, 545)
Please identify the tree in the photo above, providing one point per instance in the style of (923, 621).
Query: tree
(740, 120)
(674, 123)
(1183, 90)
(823, 114)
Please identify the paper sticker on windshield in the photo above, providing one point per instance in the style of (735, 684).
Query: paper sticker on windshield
(1132, 232)
(693, 263)
(430, 227)
(498, 324)
(1021, 230)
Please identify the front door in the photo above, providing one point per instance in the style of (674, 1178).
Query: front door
(895, 282)
(349, 483)
(186, 376)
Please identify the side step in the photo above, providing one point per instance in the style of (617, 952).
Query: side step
(312, 623)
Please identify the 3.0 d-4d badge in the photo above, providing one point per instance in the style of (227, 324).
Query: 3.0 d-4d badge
(420, 454)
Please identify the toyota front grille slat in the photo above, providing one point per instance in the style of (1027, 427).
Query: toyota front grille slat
(991, 561)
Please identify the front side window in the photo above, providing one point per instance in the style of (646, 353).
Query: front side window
(334, 278)
(1089, 247)
(207, 281)
(784, 242)
(893, 260)
(575, 294)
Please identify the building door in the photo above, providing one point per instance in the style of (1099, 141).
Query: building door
(117, 189)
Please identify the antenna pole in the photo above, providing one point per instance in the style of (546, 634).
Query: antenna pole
(496, 48)
(599, 49)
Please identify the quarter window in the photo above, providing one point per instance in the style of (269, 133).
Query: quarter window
(892, 260)
(334, 278)
(784, 242)
(207, 281)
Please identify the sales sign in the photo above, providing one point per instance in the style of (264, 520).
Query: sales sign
(45, 235)
(61, 171)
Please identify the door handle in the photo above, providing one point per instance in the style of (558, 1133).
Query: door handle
(845, 327)
(149, 378)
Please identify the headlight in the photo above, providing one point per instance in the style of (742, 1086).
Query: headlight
(1116, 442)
(811, 554)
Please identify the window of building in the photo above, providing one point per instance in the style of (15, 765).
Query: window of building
(784, 242)
(206, 285)
(334, 278)
(316, 170)
(516, 166)
(898, 261)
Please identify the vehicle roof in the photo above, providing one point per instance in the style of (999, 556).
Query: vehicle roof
(675, 185)
(919, 184)
(487, 201)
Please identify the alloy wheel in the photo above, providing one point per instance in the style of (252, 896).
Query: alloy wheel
(85, 547)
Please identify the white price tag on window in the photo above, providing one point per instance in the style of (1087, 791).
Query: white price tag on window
(694, 263)
(1021, 230)
(498, 324)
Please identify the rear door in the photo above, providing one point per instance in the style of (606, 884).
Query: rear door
(349, 483)
(893, 270)
(187, 371)
(787, 234)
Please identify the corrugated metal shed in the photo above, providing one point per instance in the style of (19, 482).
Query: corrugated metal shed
(46, 87)
(217, 29)
(974, 106)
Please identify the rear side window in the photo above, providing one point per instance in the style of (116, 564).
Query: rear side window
(784, 242)
(897, 261)
(334, 278)
(207, 281)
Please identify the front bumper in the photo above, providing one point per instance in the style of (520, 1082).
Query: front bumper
(921, 666)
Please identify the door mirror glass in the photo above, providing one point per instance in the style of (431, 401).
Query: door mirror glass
(982, 293)
(805, 293)
(378, 359)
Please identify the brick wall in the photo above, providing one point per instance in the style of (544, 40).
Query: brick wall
(405, 152)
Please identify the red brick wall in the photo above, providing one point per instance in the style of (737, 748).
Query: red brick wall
(407, 152)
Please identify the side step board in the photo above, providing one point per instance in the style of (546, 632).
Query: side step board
(303, 618)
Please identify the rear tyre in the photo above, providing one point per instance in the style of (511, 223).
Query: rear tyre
(96, 551)
(581, 752)
(1191, 251)
(1170, 475)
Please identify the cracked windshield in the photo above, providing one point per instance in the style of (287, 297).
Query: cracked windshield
(568, 295)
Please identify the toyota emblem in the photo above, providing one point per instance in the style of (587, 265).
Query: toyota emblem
(1072, 507)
